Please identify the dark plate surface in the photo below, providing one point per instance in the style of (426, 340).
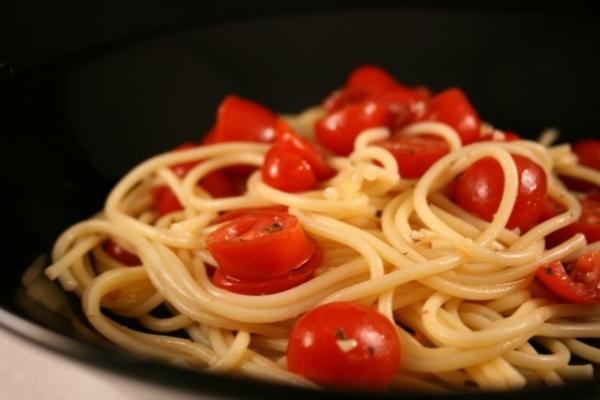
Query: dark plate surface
(73, 125)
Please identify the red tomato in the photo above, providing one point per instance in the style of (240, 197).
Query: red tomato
(210, 137)
(233, 214)
(453, 108)
(581, 284)
(344, 345)
(479, 190)
(287, 171)
(507, 137)
(588, 223)
(271, 285)
(588, 152)
(401, 103)
(255, 247)
(338, 130)
(239, 119)
(165, 201)
(288, 139)
(362, 82)
(120, 254)
(415, 154)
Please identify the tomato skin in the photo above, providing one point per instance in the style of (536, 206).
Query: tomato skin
(314, 350)
(165, 201)
(414, 154)
(588, 152)
(120, 254)
(276, 284)
(401, 104)
(287, 171)
(288, 139)
(338, 130)
(479, 190)
(243, 120)
(255, 247)
(453, 108)
(588, 223)
(580, 284)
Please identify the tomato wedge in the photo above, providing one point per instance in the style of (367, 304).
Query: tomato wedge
(578, 283)
(363, 81)
(287, 171)
(344, 345)
(239, 119)
(588, 152)
(260, 246)
(453, 108)
(276, 284)
(588, 223)
(414, 154)
(120, 254)
(479, 190)
(338, 130)
(290, 140)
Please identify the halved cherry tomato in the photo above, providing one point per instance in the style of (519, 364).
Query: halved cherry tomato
(120, 254)
(588, 153)
(402, 105)
(210, 137)
(270, 285)
(414, 154)
(588, 223)
(507, 136)
(578, 283)
(165, 201)
(344, 345)
(338, 130)
(288, 139)
(255, 247)
(479, 190)
(233, 214)
(239, 119)
(453, 108)
(182, 169)
(362, 82)
(287, 171)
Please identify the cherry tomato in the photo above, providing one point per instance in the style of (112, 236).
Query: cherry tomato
(338, 130)
(239, 119)
(402, 105)
(165, 201)
(588, 152)
(182, 169)
(479, 190)
(588, 223)
(120, 254)
(578, 283)
(453, 108)
(415, 154)
(362, 82)
(276, 284)
(287, 171)
(233, 214)
(210, 137)
(344, 345)
(507, 136)
(288, 139)
(255, 247)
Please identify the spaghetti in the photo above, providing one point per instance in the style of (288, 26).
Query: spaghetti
(457, 288)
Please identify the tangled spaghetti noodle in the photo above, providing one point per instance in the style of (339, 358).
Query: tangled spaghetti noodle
(441, 275)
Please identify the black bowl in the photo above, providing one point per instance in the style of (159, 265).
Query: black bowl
(76, 123)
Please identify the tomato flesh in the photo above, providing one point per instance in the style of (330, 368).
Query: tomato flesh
(479, 190)
(344, 345)
(588, 152)
(121, 255)
(233, 214)
(579, 283)
(259, 246)
(588, 223)
(414, 154)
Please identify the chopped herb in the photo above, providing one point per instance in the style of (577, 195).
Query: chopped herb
(340, 334)
(276, 226)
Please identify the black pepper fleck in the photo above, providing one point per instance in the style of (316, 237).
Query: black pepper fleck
(340, 334)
